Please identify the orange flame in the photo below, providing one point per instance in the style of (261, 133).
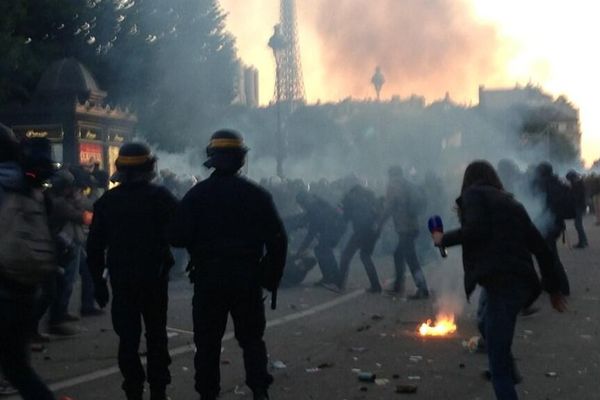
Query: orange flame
(443, 326)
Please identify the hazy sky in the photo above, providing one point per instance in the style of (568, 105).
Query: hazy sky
(433, 47)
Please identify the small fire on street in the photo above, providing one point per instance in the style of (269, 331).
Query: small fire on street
(443, 326)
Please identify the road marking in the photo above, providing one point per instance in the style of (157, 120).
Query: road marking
(180, 331)
(103, 373)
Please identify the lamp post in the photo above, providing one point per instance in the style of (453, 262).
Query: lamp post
(378, 80)
(278, 44)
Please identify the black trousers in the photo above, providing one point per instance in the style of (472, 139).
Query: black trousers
(365, 242)
(15, 331)
(551, 239)
(326, 258)
(214, 299)
(132, 303)
(46, 296)
(581, 236)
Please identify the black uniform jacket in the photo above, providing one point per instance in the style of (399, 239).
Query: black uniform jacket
(130, 222)
(498, 238)
(228, 222)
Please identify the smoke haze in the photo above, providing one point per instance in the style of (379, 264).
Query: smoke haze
(424, 47)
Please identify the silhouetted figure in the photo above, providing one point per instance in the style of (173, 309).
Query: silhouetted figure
(130, 227)
(325, 224)
(404, 204)
(362, 209)
(227, 222)
(578, 192)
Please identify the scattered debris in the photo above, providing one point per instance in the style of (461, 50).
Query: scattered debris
(278, 365)
(382, 382)
(367, 377)
(551, 374)
(325, 365)
(406, 389)
(358, 349)
(472, 344)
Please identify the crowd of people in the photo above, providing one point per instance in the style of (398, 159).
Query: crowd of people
(232, 235)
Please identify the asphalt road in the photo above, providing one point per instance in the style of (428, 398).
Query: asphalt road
(324, 338)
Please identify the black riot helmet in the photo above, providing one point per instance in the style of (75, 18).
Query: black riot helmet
(134, 163)
(226, 151)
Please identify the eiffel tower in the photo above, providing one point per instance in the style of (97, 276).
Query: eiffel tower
(290, 83)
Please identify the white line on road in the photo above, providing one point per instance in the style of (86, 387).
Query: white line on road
(103, 373)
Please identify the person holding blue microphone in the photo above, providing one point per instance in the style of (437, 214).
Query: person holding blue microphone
(498, 239)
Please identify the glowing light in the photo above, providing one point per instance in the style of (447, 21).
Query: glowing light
(443, 326)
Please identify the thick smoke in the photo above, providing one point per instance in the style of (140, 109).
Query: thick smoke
(424, 47)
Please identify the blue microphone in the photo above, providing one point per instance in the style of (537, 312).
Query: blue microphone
(435, 224)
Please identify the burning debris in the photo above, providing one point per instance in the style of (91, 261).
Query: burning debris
(443, 326)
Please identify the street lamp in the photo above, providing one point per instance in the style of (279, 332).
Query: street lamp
(278, 44)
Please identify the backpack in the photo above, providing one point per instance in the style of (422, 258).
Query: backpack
(27, 251)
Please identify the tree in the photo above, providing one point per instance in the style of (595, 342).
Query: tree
(32, 35)
(171, 60)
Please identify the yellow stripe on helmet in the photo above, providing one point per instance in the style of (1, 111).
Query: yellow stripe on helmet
(226, 143)
(132, 160)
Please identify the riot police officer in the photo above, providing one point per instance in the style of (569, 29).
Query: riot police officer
(130, 222)
(226, 222)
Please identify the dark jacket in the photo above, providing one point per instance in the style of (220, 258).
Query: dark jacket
(226, 222)
(323, 221)
(362, 209)
(550, 222)
(498, 238)
(404, 202)
(130, 222)
(11, 180)
(579, 195)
